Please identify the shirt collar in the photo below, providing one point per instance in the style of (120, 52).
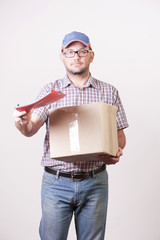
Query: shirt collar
(91, 82)
(65, 82)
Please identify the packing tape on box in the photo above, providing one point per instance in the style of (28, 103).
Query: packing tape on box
(74, 134)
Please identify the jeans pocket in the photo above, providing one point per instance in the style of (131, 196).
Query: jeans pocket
(48, 179)
(102, 178)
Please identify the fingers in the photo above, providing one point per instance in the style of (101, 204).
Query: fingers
(120, 152)
(111, 160)
(22, 117)
(19, 115)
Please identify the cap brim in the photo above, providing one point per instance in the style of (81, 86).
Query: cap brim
(85, 44)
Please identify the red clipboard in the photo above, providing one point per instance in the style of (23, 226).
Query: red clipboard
(53, 96)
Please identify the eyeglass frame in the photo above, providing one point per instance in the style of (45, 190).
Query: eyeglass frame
(77, 52)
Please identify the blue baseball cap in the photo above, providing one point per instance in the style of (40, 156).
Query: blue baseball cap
(75, 37)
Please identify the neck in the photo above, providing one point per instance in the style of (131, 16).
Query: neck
(79, 80)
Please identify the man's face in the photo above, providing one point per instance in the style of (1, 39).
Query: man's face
(77, 65)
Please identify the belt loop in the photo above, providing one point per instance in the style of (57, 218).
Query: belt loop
(57, 174)
(92, 173)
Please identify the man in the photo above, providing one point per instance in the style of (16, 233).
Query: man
(80, 188)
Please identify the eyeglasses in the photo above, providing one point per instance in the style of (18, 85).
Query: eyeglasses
(81, 53)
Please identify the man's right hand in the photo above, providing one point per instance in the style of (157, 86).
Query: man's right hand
(27, 123)
(22, 117)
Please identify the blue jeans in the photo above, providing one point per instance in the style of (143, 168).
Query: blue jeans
(87, 199)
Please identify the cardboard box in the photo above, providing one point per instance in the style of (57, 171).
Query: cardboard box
(82, 133)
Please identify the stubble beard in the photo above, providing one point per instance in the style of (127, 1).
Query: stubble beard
(78, 73)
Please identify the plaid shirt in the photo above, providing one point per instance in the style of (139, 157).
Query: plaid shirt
(93, 91)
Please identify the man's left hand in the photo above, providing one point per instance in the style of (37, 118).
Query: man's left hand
(107, 159)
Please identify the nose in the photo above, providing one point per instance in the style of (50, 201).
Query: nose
(76, 55)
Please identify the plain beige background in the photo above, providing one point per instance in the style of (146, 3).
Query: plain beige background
(125, 37)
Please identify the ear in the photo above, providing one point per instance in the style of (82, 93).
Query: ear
(91, 57)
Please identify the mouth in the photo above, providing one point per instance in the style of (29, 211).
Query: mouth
(76, 64)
